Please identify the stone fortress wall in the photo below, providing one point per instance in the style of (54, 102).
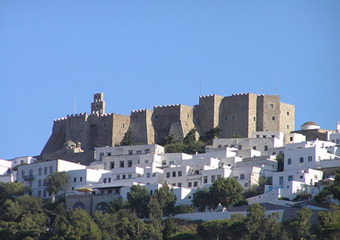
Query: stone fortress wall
(239, 114)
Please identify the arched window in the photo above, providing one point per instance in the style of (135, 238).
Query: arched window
(40, 171)
(45, 170)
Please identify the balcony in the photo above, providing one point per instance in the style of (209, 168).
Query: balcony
(29, 177)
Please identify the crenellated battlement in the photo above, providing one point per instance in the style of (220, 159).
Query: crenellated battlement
(168, 106)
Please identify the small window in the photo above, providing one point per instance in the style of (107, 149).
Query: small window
(108, 154)
(104, 180)
(254, 119)
(147, 151)
(189, 184)
(226, 118)
(239, 147)
(108, 180)
(245, 184)
(289, 161)
(174, 174)
(242, 176)
(233, 117)
(254, 147)
(290, 178)
(51, 169)
(139, 152)
(179, 184)
(301, 160)
(123, 125)
(273, 118)
(75, 179)
(257, 136)
(112, 165)
(123, 176)
(280, 180)
(130, 152)
(197, 172)
(40, 171)
(291, 138)
(154, 175)
(287, 126)
(273, 136)
(39, 183)
(129, 176)
(205, 180)
(148, 175)
(129, 163)
(121, 164)
(167, 174)
(195, 184)
(310, 158)
(174, 184)
(271, 105)
(164, 162)
(266, 148)
(287, 113)
(81, 179)
(264, 136)
(212, 178)
(118, 177)
(45, 170)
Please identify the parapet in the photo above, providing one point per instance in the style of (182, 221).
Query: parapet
(168, 106)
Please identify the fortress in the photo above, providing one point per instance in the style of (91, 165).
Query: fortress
(74, 137)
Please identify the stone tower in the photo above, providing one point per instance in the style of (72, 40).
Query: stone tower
(98, 105)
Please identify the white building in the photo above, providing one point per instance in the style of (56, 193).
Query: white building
(35, 174)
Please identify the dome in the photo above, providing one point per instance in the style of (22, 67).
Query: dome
(309, 125)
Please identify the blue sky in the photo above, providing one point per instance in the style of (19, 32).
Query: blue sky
(147, 53)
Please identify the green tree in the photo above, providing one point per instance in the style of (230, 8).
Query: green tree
(213, 230)
(225, 191)
(166, 199)
(138, 199)
(329, 224)
(169, 227)
(23, 217)
(201, 199)
(127, 139)
(55, 183)
(166, 140)
(129, 226)
(154, 229)
(82, 226)
(260, 226)
(184, 208)
(332, 190)
(107, 224)
(210, 135)
(11, 190)
(300, 226)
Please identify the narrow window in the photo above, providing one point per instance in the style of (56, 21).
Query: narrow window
(167, 174)
(289, 161)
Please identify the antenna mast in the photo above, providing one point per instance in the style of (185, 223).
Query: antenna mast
(200, 85)
(277, 83)
(75, 106)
